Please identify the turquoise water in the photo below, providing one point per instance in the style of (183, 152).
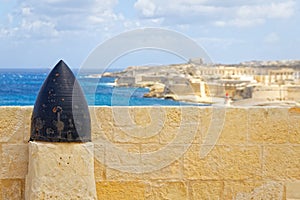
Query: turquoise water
(21, 86)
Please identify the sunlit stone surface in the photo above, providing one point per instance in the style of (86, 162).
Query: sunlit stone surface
(60, 171)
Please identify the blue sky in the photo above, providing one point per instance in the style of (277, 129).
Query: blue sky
(36, 33)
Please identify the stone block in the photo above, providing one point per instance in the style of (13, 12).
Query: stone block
(12, 189)
(129, 124)
(140, 117)
(224, 126)
(168, 134)
(281, 162)
(293, 190)
(154, 153)
(171, 172)
(166, 190)
(60, 170)
(156, 164)
(99, 171)
(122, 155)
(173, 116)
(268, 126)
(294, 125)
(181, 125)
(206, 190)
(101, 124)
(134, 135)
(160, 158)
(11, 124)
(27, 122)
(241, 190)
(185, 134)
(116, 190)
(223, 163)
(102, 114)
(99, 162)
(14, 161)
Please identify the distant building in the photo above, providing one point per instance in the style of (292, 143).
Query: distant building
(196, 61)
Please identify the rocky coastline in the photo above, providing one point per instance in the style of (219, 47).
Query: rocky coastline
(247, 83)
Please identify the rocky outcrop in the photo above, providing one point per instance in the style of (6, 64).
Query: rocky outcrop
(202, 82)
(156, 90)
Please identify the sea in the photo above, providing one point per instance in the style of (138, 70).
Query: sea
(20, 87)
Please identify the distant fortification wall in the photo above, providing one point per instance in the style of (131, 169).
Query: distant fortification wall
(175, 152)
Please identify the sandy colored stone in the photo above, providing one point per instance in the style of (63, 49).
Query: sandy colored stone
(116, 190)
(166, 191)
(101, 113)
(99, 171)
(142, 116)
(235, 128)
(239, 189)
(206, 190)
(268, 125)
(173, 116)
(256, 190)
(135, 135)
(294, 126)
(60, 171)
(137, 116)
(122, 156)
(294, 110)
(293, 190)
(168, 134)
(130, 124)
(171, 172)
(160, 158)
(228, 125)
(256, 156)
(281, 162)
(223, 163)
(150, 167)
(191, 114)
(102, 127)
(182, 125)
(11, 124)
(185, 134)
(99, 162)
(12, 189)
(1, 160)
(14, 161)
(27, 122)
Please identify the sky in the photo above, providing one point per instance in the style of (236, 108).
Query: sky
(38, 33)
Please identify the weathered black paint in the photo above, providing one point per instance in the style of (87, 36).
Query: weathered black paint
(61, 112)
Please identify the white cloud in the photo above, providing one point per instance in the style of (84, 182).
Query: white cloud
(26, 11)
(156, 8)
(274, 10)
(50, 18)
(240, 22)
(239, 13)
(38, 29)
(147, 7)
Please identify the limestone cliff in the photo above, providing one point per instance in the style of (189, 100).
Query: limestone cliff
(267, 81)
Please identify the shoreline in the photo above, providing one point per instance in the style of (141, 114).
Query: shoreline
(243, 84)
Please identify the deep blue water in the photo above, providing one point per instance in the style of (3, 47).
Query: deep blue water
(21, 86)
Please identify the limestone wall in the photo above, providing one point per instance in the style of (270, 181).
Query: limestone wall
(175, 152)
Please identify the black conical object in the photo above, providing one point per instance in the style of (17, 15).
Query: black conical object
(61, 112)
